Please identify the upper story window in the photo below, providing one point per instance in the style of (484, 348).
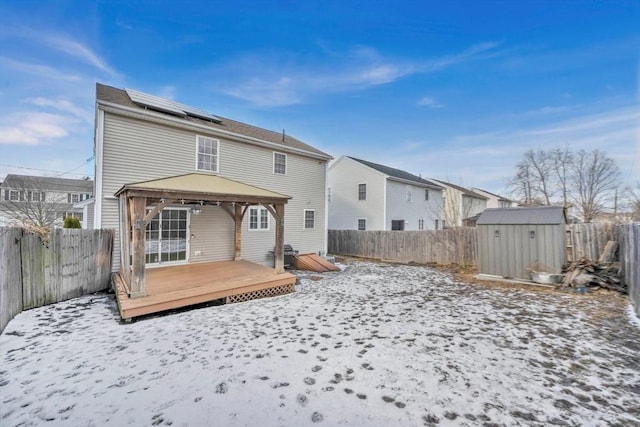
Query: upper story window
(362, 191)
(74, 198)
(207, 154)
(409, 195)
(426, 194)
(14, 195)
(280, 163)
(258, 218)
(309, 218)
(37, 196)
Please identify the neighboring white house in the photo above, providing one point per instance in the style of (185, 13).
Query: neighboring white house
(495, 200)
(461, 205)
(368, 196)
(141, 137)
(42, 200)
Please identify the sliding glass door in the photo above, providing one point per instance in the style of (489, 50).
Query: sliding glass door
(167, 237)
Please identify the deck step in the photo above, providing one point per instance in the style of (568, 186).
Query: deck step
(313, 262)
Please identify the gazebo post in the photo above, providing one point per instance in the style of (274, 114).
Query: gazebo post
(138, 276)
(237, 219)
(279, 248)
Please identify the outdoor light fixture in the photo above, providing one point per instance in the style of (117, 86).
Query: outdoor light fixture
(196, 211)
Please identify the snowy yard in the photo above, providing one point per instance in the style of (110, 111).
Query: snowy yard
(373, 345)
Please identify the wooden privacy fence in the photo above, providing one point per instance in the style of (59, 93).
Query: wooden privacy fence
(72, 263)
(588, 240)
(628, 236)
(453, 246)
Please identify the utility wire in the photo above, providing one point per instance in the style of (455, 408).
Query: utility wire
(48, 170)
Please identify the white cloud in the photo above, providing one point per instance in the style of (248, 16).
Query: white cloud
(34, 128)
(430, 102)
(275, 79)
(80, 51)
(62, 105)
(40, 71)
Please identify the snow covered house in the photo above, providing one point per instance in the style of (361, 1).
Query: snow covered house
(189, 192)
(368, 196)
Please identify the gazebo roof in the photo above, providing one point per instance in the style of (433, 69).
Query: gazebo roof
(204, 187)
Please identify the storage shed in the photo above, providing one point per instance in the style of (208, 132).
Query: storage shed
(512, 239)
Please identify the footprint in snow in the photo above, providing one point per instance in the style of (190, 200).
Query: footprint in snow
(222, 388)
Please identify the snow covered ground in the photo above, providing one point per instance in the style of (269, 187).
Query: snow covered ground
(373, 345)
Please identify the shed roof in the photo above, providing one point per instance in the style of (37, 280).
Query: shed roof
(523, 215)
(207, 187)
(398, 173)
(113, 95)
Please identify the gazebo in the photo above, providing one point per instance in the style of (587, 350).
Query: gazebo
(141, 291)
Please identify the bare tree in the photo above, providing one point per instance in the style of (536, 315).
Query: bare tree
(594, 178)
(532, 181)
(27, 205)
(632, 194)
(562, 161)
(520, 185)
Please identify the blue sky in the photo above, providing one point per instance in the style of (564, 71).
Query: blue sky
(449, 90)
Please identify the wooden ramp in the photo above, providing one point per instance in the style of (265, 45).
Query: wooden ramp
(183, 285)
(313, 262)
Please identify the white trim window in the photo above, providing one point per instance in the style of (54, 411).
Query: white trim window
(14, 195)
(409, 195)
(258, 218)
(362, 224)
(37, 196)
(74, 198)
(362, 191)
(207, 154)
(279, 163)
(309, 219)
(420, 224)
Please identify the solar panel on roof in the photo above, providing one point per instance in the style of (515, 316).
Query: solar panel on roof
(197, 112)
(155, 102)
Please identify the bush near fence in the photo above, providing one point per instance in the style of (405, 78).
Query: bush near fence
(34, 273)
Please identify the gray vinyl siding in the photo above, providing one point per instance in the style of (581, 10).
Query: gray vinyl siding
(136, 150)
(399, 209)
(509, 254)
(345, 209)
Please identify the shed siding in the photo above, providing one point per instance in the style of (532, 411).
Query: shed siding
(344, 207)
(514, 250)
(136, 150)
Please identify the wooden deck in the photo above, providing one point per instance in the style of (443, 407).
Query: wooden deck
(183, 285)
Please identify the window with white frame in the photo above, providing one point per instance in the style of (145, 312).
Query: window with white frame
(420, 224)
(362, 224)
(74, 198)
(426, 194)
(409, 195)
(258, 218)
(37, 196)
(14, 195)
(207, 154)
(309, 218)
(362, 191)
(279, 163)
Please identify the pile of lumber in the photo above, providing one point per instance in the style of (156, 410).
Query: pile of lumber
(604, 273)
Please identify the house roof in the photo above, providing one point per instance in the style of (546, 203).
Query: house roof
(500, 198)
(523, 215)
(47, 183)
(113, 95)
(464, 191)
(196, 186)
(398, 173)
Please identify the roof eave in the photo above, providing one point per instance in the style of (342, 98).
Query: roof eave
(117, 108)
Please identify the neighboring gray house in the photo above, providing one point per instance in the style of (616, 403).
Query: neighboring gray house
(511, 240)
(495, 200)
(140, 137)
(368, 196)
(42, 199)
(460, 204)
